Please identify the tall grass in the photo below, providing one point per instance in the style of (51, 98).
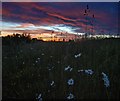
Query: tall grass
(29, 69)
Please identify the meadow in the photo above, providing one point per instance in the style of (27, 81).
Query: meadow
(57, 70)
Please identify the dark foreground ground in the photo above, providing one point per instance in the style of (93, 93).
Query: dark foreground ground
(31, 69)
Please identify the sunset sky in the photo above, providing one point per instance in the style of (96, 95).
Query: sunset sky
(41, 19)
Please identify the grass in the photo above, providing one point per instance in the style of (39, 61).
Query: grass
(26, 74)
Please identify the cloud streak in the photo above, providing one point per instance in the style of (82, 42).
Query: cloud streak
(71, 15)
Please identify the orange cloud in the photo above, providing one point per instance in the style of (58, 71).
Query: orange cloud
(25, 25)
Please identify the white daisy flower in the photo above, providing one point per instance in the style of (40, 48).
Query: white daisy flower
(78, 55)
(70, 82)
(39, 98)
(68, 68)
(70, 96)
(38, 58)
(52, 83)
(89, 72)
(105, 79)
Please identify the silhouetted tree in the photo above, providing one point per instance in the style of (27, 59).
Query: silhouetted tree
(16, 39)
